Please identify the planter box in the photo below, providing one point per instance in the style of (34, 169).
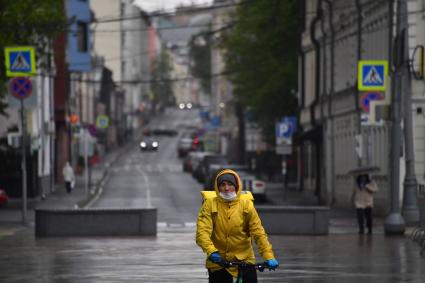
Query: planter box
(95, 222)
(295, 220)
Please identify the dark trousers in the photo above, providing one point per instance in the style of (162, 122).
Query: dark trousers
(68, 187)
(363, 213)
(222, 276)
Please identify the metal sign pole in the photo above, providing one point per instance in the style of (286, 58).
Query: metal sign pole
(24, 166)
(20, 63)
(86, 163)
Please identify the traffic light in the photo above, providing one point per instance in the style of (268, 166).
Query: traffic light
(359, 145)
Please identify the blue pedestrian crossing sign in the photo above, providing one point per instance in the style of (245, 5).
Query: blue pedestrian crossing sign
(102, 122)
(372, 75)
(20, 61)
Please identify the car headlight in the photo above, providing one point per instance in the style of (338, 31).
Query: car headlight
(142, 144)
(181, 105)
(155, 144)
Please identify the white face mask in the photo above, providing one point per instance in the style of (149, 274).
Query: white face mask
(228, 196)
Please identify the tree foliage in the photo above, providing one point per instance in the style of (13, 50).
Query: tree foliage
(261, 54)
(28, 22)
(200, 54)
(162, 85)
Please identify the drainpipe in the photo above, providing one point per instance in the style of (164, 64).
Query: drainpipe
(330, 97)
(359, 57)
(316, 44)
(323, 194)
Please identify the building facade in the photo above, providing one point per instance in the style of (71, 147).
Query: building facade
(334, 117)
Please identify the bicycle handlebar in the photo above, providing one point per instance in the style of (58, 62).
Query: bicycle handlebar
(242, 264)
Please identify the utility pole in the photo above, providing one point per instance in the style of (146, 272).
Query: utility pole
(410, 207)
(394, 223)
(24, 164)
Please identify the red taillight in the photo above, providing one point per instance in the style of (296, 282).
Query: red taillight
(195, 140)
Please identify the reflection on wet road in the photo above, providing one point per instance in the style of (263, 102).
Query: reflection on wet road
(173, 257)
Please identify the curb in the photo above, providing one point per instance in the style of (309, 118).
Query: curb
(94, 195)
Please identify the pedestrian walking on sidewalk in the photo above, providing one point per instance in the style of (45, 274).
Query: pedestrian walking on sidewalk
(362, 199)
(226, 226)
(69, 177)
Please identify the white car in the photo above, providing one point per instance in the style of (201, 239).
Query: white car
(253, 184)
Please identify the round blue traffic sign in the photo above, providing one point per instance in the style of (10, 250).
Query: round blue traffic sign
(20, 87)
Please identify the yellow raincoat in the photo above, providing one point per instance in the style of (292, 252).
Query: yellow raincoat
(229, 228)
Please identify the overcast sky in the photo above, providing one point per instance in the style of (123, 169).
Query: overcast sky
(154, 5)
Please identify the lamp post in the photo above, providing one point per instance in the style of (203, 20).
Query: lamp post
(394, 223)
(410, 207)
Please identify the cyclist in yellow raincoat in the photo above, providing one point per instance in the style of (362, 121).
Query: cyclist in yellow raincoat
(226, 226)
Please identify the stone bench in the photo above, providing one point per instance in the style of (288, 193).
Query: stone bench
(294, 220)
(95, 222)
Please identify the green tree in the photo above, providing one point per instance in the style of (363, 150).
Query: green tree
(261, 52)
(27, 22)
(162, 85)
(200, 54)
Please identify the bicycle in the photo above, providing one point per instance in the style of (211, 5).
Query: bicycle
(242, 266)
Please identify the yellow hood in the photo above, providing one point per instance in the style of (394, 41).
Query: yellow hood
(239, 187)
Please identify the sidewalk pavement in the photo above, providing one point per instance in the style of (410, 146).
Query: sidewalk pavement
(341, 220)
(11, 217)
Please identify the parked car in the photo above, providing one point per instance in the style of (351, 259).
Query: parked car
(149, 144)
(188, 141)
(203, 168)
(163, 131)
(4, 199)
(214, 169)
(253, 184)
(184, 146)
(192, 160)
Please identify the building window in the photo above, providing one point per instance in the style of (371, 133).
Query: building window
(82, 37)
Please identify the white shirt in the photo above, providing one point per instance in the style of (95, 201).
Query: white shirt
(68, 173)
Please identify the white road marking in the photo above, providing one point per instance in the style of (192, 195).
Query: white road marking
(148, 191)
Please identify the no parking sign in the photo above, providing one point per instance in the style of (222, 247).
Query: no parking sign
(368, 97)
(20, 87)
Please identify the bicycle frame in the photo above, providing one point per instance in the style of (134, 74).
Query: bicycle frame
(242, 266)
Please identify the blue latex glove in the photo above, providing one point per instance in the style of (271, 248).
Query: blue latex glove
(215, 257)
(272, 263)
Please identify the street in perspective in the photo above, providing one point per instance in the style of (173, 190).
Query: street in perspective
(141, 140)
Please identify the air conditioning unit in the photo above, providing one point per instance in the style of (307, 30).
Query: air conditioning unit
(14, 139)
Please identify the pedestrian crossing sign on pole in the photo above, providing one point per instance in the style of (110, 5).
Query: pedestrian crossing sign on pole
(20, 61)
(372, 75)
(102, 122)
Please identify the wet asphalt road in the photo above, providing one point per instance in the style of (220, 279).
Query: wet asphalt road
(172, 256)
(156, 178)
